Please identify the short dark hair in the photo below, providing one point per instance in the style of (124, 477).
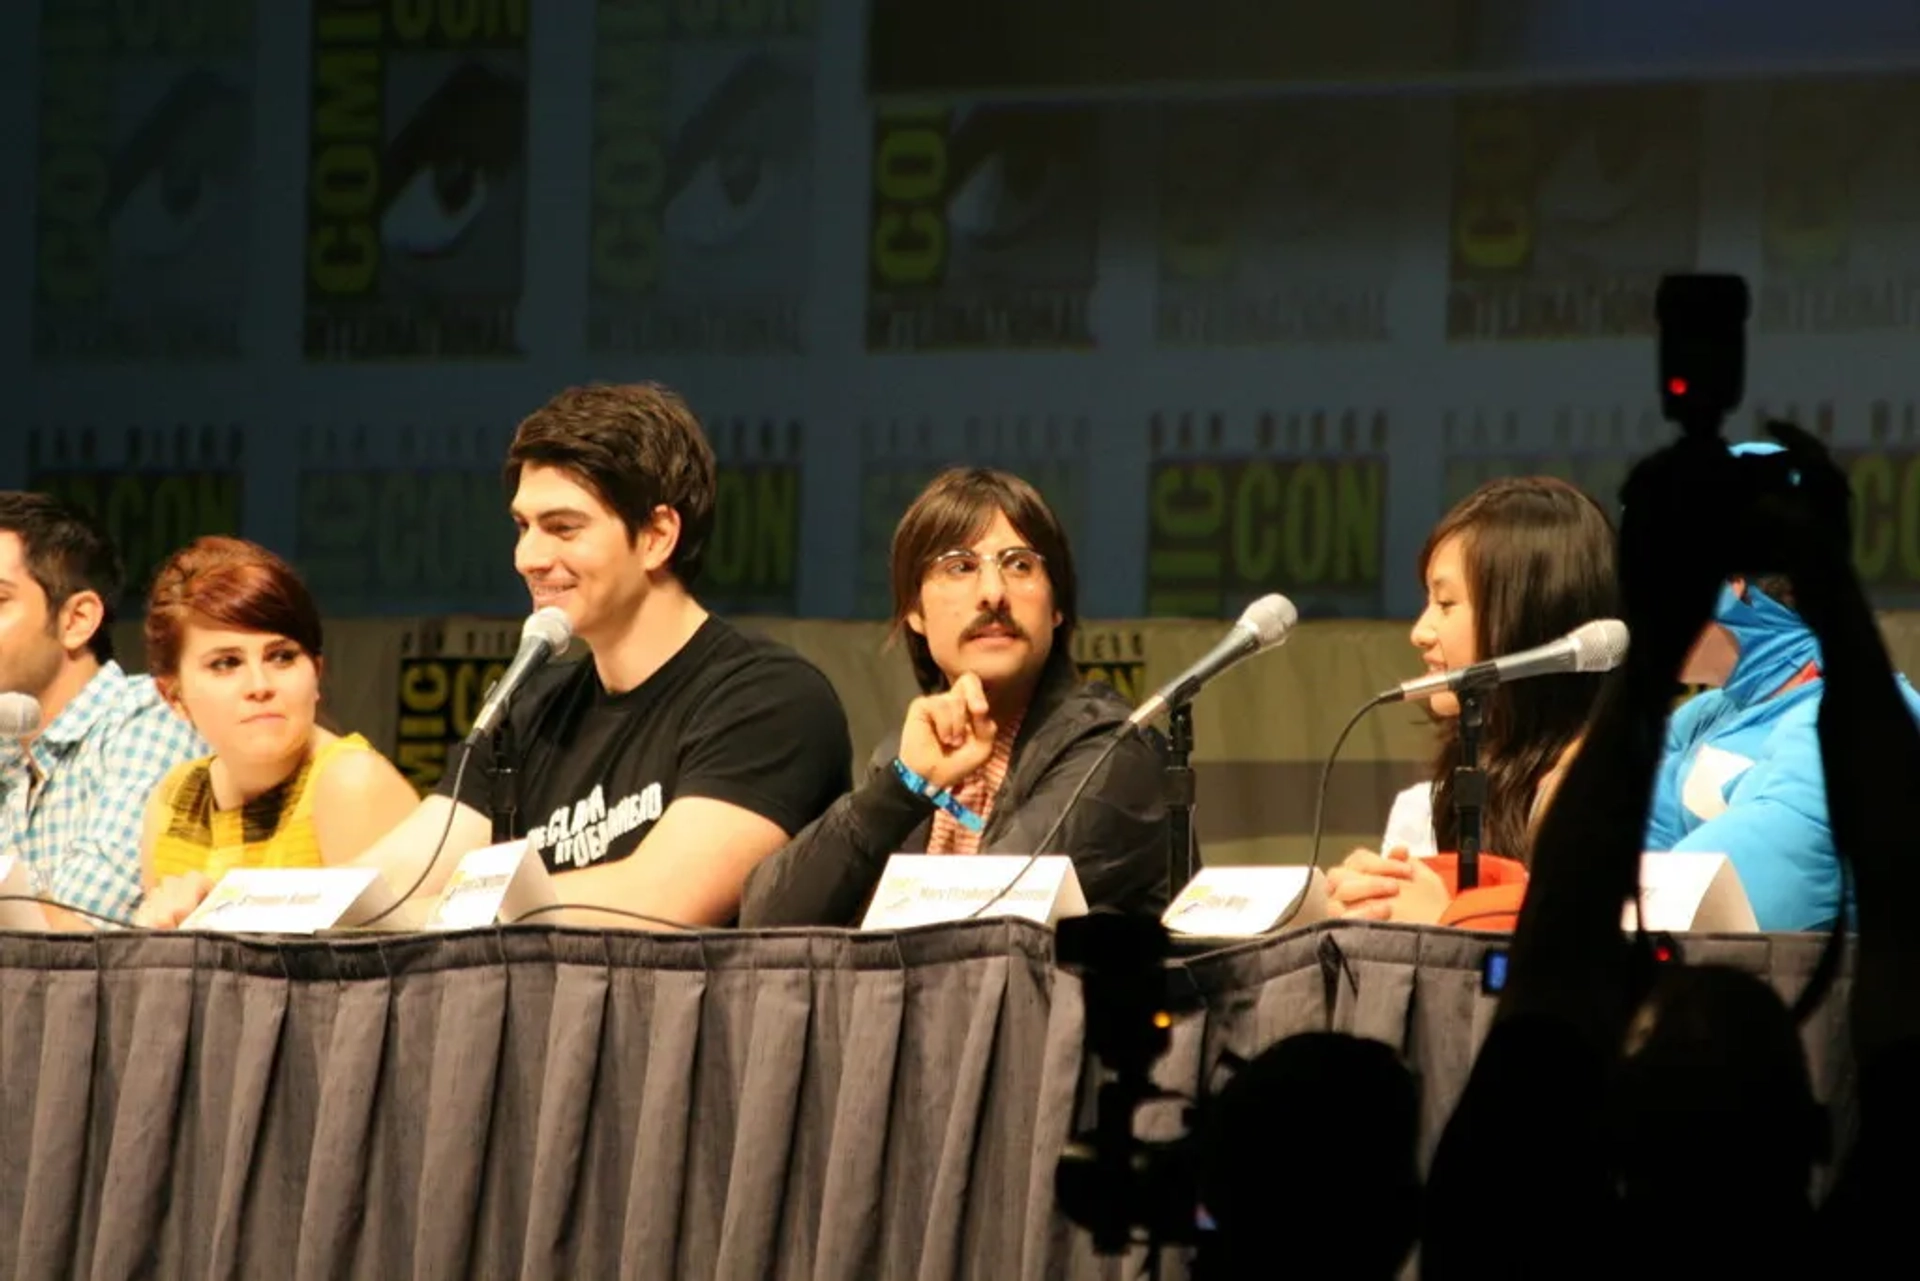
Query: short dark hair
(232, 583)
(67, 552)
(952, 511)
(638, 447)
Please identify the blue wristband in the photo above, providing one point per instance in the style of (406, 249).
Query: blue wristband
(939, 796)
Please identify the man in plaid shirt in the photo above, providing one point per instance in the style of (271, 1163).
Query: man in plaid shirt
(72, 796)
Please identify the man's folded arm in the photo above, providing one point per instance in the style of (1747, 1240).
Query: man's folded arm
(825, 874)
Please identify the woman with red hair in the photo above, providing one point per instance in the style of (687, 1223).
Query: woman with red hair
(233, 642)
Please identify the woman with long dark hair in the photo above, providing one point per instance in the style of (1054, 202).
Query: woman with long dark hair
(1519, 562)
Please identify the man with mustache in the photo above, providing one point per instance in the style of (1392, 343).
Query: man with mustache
(986, 758)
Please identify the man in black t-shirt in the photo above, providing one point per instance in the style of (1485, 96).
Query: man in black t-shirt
(659, 799)
(656, 774)
(987, 758)
(653, 775)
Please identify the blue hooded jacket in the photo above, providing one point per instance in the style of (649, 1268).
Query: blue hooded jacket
(1742, 774)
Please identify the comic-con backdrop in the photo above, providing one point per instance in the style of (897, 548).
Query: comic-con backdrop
(294, 268)
(297, 267)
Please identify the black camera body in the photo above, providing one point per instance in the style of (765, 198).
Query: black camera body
(1703, 348)
(1109, 1181)
(1703, 363)
(1769, 485)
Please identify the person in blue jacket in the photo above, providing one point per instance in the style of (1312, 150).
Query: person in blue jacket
(1742, 774)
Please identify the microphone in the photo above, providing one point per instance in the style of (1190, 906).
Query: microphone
(1265, 623)
(546, 633)
(1591, 647)
(1262, 625)
(19, 715)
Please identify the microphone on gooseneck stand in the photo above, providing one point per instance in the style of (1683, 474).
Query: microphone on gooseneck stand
(1265, 623)
(546, 632)
(19, 715)
(1261, 626)
(1593, 647)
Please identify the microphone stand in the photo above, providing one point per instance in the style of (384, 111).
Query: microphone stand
(1178, 790)
(1469, 789)
(505, 797)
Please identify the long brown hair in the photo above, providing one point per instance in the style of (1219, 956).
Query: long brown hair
(1539, 561)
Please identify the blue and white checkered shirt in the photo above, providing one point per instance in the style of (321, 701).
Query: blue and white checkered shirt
(72, 805)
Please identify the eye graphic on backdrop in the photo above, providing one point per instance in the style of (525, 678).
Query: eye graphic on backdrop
(1008, 173)
(164, 214)
(732, 159)
(1005, 196)
(1199, 240)
(722, 198)
(442, 169)
(1305, 180)
(435, 209)
(1599, 177)
(170, 177)
(1820, 161)
(1206, 161)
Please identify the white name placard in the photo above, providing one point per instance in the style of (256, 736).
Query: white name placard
(1692, 892)
(497, 884)
(16, 914)
(1240, 902)
(924, 889)
(281, 900)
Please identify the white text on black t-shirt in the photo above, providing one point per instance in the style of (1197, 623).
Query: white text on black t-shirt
(578, 835)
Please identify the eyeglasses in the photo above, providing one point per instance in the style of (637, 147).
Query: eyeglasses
(1021, 568)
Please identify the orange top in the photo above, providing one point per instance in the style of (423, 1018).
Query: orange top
(1494, 904)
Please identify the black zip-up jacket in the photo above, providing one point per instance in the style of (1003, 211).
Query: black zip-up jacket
(1116, 835)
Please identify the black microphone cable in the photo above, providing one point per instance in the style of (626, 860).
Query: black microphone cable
(1119, 736)
(439, 847)
(1320, 797)
(642, 917)
(459, 773)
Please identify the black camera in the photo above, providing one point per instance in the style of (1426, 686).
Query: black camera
(1703, 363)
(1703, 348)
(1107, 1180)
